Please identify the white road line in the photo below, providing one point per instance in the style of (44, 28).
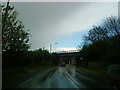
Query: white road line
(70, 79)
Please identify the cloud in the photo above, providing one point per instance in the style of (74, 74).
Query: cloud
(47, 21)
(79, 20)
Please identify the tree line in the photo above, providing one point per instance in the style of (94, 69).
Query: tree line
(102, 42)
(15, 43)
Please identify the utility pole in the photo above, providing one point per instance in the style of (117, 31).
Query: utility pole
(6, 14)
(43, 55)
(51, 46)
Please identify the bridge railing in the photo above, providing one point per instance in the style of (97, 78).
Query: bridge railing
(68, 51)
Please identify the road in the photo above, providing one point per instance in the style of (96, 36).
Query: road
(63, 77)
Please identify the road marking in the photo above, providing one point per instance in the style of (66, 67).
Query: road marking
(70, 79)
(73, 81)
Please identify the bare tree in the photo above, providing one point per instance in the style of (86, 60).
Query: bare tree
(113, 25)
(105, 31)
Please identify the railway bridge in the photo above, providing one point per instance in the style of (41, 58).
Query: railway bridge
(68, 57)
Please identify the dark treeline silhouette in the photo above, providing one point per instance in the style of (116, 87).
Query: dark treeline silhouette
(27, 58)
(15, 43)
(102, 43)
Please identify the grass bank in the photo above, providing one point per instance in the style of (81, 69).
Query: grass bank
(13, 76)
(102, 72)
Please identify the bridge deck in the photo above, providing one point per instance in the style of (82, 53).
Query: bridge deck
(69, 54)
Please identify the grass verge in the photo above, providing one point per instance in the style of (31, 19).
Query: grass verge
(12, 76)
(95, 70)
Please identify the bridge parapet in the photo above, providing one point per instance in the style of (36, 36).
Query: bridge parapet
(68, 51)
(68, 54)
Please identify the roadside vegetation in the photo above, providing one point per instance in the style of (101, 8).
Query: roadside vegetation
(102, 44)
(15, 43)
(18, 62)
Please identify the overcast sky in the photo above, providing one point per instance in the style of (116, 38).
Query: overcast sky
(64, 23)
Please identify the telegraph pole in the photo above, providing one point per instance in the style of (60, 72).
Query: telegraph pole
(51, 46)
(43, 55)
(6, 14)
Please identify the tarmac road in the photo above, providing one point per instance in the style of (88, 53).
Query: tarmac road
(62, 77)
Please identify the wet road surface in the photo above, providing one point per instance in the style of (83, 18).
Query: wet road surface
(62, 77)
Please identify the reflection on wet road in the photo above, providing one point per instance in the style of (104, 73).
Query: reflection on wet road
(57, 80)
(62, 77)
